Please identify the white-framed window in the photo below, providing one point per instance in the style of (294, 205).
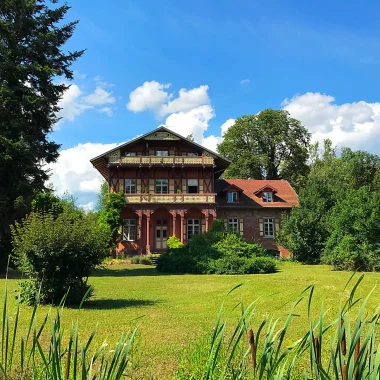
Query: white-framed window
(162, 186)
(130, 186)
(193, 228)
(267, 197)
(268, 227)
(162, 153)
(232, 197)
(233, 225)
(129, 229)
(130, 154)
(192, 186)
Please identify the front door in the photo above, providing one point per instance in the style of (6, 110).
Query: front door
(161, 233)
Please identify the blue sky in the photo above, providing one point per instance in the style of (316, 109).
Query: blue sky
(320, 60)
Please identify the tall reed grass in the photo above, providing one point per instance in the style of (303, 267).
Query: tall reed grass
(345, 348)
(43, 352)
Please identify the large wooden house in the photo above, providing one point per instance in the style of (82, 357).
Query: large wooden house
(173, 186)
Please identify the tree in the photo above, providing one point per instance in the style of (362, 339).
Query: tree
(354, 226)
(269, 145)
(57, 253)
(33, 68)
(334, 187)
(102, 197)
(109, 217)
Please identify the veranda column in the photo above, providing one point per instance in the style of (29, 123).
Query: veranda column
(174, 214)
(182, 222)
(147, 231)
(139, 230)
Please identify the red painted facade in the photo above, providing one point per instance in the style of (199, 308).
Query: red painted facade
(173, 187)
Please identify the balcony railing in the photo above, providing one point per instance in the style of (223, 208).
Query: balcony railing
(170, 160)
(170, 198)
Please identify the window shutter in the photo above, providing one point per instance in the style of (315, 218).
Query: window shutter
(171, 152)
(151, 185)
(121, 185)
(171, 186)
(226, 224)
(261, 225)
(184, 230)
(138, 186)
(277, 226)
(200, 181)
(203, 225)
(241, 226)
(184, 185)
(151, 152)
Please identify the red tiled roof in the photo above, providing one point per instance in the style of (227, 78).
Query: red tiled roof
(284, 197)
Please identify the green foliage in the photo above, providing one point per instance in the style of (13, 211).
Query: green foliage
(344, 348)
(102, 197)
(142, 259)
(57, 254)
(354, 225)
(33, 56)
(216, 252)
(109, 217)
(174, 242)
(268, 145)
(61, 358)
(331, 220)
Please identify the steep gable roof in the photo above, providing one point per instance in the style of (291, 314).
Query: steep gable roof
(286, 197)
(100, 163)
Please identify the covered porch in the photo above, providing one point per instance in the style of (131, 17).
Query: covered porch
(147, 230)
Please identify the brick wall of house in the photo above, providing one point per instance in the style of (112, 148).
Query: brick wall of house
(251, 225)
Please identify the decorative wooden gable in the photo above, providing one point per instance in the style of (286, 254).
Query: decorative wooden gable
(114, 156)
(161, 135)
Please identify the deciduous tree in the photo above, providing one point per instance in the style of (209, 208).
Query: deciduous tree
(269, 145)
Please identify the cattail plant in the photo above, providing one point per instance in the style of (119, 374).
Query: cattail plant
(353, 352)
(23, 356)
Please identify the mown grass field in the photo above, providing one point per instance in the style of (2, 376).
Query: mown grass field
(174, 310)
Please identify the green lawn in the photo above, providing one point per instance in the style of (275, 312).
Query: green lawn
(173, 310)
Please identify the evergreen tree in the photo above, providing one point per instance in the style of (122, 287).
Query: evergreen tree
(33, 68)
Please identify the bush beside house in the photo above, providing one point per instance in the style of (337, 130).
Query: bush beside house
(216, 251)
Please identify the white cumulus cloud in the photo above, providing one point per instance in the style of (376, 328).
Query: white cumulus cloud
(193, 122)
(99, 97)
(149, 96)
(73, 171)
(74, 102)
(71, 104)
(356, 125)
(187, 100)
(155, 96)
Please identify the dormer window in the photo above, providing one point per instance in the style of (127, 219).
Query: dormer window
(232, 197)
(267, 197)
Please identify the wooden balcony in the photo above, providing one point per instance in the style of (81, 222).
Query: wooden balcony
(162, 161)
(170, 198)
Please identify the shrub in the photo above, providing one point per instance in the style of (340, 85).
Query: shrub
(57, 254)
(142, 259)
(229, 254)
(174, 242)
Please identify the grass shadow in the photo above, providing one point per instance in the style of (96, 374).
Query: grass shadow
(109, 304)
(128, 272)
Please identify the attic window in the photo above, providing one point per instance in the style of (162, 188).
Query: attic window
(267, 197)
(232, 197)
